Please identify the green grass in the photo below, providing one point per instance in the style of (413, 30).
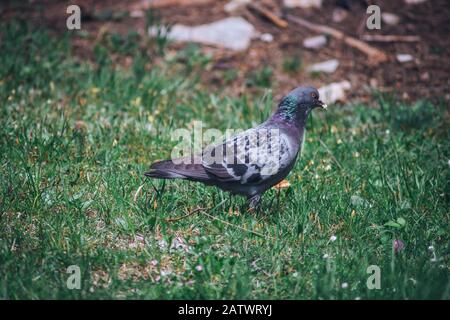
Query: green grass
(77, 136)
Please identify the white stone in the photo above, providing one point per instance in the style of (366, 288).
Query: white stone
(404, 57)
(266, 37)
(235, 4)
(233, 33)
(303, 3)
(339, 15)
(315, 42)
(334, 92)
(328, 66)
(414, 1)
(390, 18)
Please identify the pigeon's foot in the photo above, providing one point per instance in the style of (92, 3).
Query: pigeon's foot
(254, 202)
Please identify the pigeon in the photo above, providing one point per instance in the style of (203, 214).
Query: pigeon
(251, 162)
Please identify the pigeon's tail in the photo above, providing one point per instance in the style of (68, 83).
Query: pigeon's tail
(168, 170)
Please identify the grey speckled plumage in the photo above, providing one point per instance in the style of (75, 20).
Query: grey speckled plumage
(253, 161)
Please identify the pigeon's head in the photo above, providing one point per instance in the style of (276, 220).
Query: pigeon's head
(300, 101)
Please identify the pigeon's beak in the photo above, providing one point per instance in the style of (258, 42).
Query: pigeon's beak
(321, 104)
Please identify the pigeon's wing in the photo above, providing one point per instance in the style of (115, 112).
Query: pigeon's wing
(250, 157)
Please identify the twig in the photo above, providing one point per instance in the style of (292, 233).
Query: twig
(192, 212)
(390, 38)
(375, 55)
(185, 216)
(203, 211)
(137, 193)
(236, 226)
(169, 3)
(269, 15)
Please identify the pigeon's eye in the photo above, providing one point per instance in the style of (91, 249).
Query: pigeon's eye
(314, 95)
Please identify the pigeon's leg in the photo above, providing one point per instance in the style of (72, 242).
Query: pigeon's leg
(254, 202)
(159, 191)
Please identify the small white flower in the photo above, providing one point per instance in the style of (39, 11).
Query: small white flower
(358, 298)
(149, 127)
(154, 262)
(333, 238)
(179, 244)
(431, 248)
(165, 272)
(344, 285)
(162, 244)
(326, 256)
(189, 282)
(199, 268)
(295, 274)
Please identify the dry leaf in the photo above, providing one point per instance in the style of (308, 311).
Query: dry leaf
(282, 185)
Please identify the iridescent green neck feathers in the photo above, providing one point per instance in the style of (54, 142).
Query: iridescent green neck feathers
(288, 106)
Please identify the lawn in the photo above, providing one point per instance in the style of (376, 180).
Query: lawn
(77, 134)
